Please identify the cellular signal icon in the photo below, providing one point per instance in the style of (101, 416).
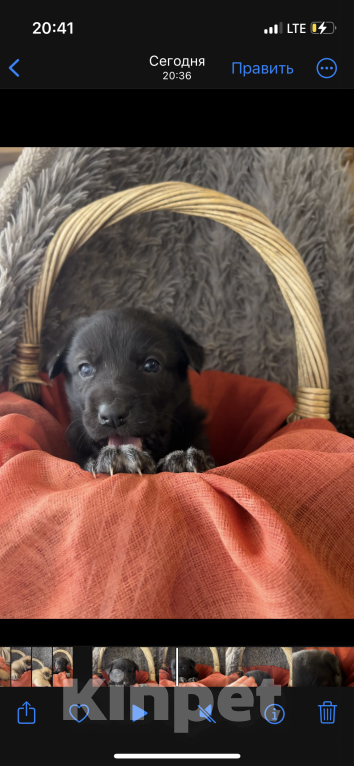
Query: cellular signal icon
(274, 29)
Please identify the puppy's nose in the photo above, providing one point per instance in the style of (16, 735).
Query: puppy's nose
(109, 416)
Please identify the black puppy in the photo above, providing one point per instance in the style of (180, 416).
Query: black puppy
(60, 664)
(186, 670)
(258, 675)
(130, 399)
(315, 667)
(122, 672)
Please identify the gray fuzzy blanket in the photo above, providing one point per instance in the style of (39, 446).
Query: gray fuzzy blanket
(16, 656)
(44, 654)
(214, 283)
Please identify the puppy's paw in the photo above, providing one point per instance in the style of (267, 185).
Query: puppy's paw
(191, 460)
(124, 459)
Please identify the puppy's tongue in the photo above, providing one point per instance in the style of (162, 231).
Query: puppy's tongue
(117, 441)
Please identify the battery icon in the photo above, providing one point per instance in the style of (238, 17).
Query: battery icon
(322, 27)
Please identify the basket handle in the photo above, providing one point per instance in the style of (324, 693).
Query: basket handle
(288, 654)
(34, 659)
(312, 395)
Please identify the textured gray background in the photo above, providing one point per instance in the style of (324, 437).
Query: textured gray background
(255, 655)
(214, 284)
(44, 654)
(16, 656)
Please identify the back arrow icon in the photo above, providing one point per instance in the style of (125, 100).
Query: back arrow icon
(12, 70)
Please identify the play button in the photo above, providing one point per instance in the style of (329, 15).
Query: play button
(137, 713)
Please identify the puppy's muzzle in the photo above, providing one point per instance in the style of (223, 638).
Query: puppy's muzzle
(109, 415)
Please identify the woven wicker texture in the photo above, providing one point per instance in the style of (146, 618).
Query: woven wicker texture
(312, 397)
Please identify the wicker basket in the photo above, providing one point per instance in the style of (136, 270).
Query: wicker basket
(213, 649)
(288, 654)
(312, 395)
(147, 654)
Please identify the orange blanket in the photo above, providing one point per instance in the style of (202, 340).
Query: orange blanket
(207, 676)
(24, 680)
(142, 677)
(60, 679)
(3, 666)
(345, 655)
(270, 535)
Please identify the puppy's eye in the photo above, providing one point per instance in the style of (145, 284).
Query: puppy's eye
(86, 370)
(152, 365)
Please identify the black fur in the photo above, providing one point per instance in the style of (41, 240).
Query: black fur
(122, 672)
(186, 670)
(122, 398)
(315, 667)
(60, 664)
(258, 675)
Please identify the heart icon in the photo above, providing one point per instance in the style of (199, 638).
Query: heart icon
(78, 707)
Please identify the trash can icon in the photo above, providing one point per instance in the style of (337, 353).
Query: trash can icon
(327, 712)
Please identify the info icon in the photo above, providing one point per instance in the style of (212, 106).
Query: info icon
(326, 68)
(274, 713)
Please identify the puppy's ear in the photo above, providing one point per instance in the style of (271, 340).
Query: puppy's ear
(108, 669)
(136, 667)
(193, 663)
(193, 351)
(56, 364)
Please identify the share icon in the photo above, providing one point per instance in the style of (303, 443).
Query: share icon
(206, 713)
